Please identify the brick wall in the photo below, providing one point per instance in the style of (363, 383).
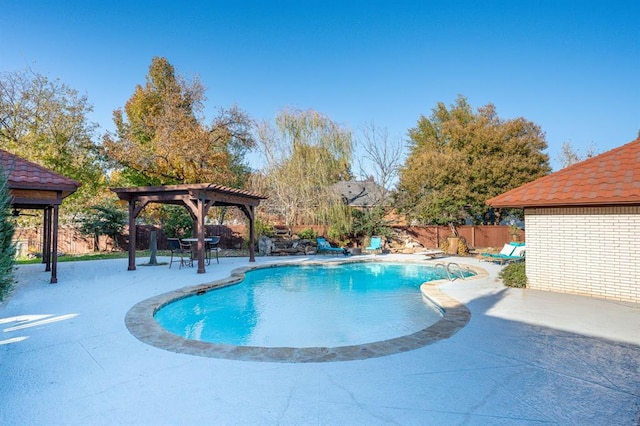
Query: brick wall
(585, 250)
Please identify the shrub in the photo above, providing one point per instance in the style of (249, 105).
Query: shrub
(514, 275)
(176, 222)
(262, 228)
(7, 248)
(338, 235)
(307, 234)
(106, 219)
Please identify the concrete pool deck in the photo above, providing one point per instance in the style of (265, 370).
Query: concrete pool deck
(525, 357)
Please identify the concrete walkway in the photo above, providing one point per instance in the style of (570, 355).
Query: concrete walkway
(525, 357)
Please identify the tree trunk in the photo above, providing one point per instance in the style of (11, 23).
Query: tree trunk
(153, 247)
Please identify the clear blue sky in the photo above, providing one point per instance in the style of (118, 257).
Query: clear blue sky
(572, 67)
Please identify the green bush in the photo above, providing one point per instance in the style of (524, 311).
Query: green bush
(176, 222)
(7, 248)
(307, 234)
(106, 219)
(262, 228)
(514, 275)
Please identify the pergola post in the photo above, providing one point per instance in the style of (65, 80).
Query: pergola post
(132, 235)
(200, 234)
(252, 235)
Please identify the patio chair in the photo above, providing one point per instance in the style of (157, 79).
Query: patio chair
(212, 246)
(375, 245)
(180, 249)
(325, 247)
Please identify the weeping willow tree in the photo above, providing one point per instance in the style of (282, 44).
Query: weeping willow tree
(305, 153)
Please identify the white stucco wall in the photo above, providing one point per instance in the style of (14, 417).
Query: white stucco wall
(585, 250)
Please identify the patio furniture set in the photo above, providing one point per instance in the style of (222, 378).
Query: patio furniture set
(185, 250)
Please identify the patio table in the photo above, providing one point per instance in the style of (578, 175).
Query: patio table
(192, 241)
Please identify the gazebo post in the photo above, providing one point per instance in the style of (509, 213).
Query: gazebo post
(54, 251)
(46, 239)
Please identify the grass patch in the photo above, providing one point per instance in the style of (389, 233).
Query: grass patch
(94, 256)
(122, 255)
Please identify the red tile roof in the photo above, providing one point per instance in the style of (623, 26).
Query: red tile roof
(23, 174)
(611, 178)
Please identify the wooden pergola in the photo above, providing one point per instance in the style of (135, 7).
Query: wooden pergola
(197, 199)
(34, 187)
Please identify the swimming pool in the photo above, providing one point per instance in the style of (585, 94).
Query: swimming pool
(141, 323)
(308, 306)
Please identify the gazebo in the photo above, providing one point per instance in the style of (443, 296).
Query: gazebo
(197, 198)
(34, 187)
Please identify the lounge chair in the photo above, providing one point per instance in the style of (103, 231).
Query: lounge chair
(375, 245)
(325, 247)
(509, 253)
(431, 253)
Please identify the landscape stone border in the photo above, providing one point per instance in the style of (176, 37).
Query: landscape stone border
(141, 324)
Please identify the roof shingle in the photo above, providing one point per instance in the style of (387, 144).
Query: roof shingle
(23, 174)
(611, 178)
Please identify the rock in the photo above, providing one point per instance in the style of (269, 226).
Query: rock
(265, 245)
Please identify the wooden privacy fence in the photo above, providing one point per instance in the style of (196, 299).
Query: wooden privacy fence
(231, 237)
(71, 241)
(475, 235)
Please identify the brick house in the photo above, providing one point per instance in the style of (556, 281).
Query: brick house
(583, 226)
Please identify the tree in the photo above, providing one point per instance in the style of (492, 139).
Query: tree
(106, 219)
(304, 154)
(381, 157)
(46, 122)
(569, 155)
(161, 137)
(458, 159)
(7, 228)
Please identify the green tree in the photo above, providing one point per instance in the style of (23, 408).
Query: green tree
(176, 221)
(106, 219)
(161, 137)
(46, 122)
(304, 154)
(459, 158)
(370, 222)
(7, 248)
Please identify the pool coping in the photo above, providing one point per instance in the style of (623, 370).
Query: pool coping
(140, 322)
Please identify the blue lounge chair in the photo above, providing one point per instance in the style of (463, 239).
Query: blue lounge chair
(509, 253)
(325, 247)
(375, 244)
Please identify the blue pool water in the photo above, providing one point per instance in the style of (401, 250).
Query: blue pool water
(308, 306)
